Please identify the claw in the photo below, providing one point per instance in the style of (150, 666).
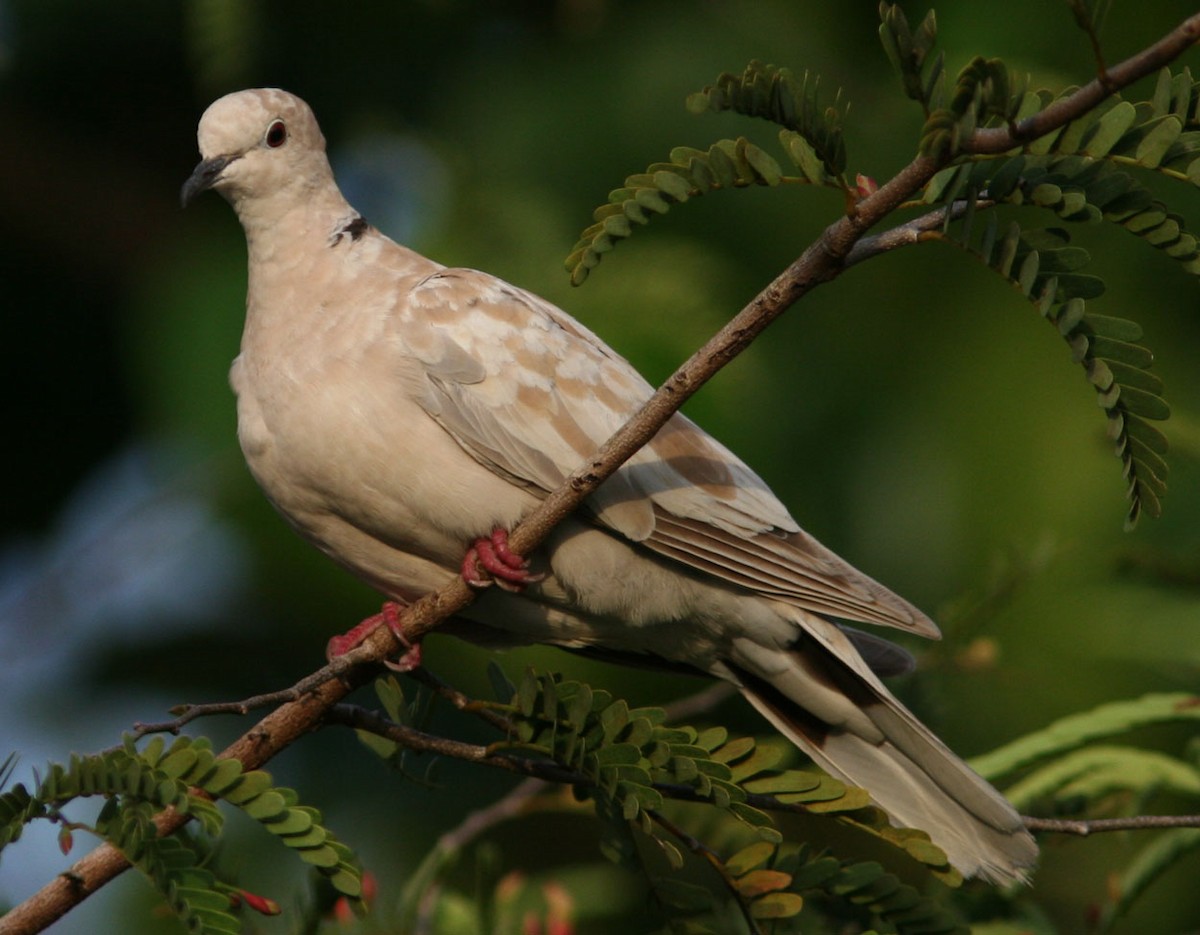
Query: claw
(490, 561)
(389, 616)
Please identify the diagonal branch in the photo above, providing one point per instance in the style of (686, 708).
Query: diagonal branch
(1063, 111)
(825, 260)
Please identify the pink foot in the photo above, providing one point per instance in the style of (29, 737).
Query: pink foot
(389, 616)
(503, 566)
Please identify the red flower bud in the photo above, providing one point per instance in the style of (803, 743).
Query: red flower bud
(267, 907)
(865, 185)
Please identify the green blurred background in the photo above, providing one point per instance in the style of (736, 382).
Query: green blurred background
(916, 415)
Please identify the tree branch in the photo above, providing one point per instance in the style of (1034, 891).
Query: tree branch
(550, 771)
(822, 262)
(1084, 827)
(1146, 62)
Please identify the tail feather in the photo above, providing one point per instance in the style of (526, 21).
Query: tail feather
(825, 699)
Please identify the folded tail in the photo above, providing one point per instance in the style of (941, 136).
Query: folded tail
(824, 698)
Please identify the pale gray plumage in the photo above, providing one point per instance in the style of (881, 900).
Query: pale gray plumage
(394, 411)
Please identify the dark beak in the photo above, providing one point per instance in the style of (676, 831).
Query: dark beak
(204, 177)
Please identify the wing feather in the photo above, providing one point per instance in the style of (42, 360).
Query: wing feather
(531, 393)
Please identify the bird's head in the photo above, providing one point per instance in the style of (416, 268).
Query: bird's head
(258, 145)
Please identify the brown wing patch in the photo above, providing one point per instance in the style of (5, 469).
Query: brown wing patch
(574, 388)
(686, 452)
(536, 399)
(510, 313)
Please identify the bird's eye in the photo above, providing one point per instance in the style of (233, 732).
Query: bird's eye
(276, 134)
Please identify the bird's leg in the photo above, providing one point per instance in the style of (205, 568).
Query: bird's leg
(389, 616)
(503, 566)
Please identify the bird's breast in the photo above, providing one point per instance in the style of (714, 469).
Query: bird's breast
(342, 449)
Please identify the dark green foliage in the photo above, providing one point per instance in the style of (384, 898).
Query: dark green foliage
(811, 136)
(1078, 171)
(774, 94)
(689, 174)
(1047, 270)
(909, 50)
(636, 763)
(1073, 732)
(1043, 266)
(139, 785)
(774, 880)
(634, 767)
(981, 93)
(1064, 770)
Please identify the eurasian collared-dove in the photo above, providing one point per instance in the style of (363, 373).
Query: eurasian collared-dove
(396, 411)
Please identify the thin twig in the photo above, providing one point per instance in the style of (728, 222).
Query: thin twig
(360, 718)
(1085, 827)
(925, 227)
(549, 771)
(190, 712)
(702, 850)
(823, 261)
(463, 703)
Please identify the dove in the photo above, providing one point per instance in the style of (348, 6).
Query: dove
(401, 415)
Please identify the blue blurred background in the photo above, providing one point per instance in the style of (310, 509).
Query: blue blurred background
(916, 414)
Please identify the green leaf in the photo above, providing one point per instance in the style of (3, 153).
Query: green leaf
(189, 764)
(223, 774)
(614, 718)
(1140, 403)
(1119, 328)
(791, 781)
(816, 873)
(777, 906)
(249, 786)
(764, 165)
(1122, 352)
(759, 882)
(1097, 771)
(527, 693)
(712, 738)
(1145, 433)
(1075, 730)
(750, 858)
(347, 882)
(1110, 128)
(617, 754)
(324, 856)
(855, 877)
(922, 849)
(1156, 143)
(269, 806)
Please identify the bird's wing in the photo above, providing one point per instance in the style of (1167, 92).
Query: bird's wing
(532, 394)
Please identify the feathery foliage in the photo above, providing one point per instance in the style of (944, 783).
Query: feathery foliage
(1080, 172)
(636, 770)
(1065, 771)
(811, 138)
(139, 784)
